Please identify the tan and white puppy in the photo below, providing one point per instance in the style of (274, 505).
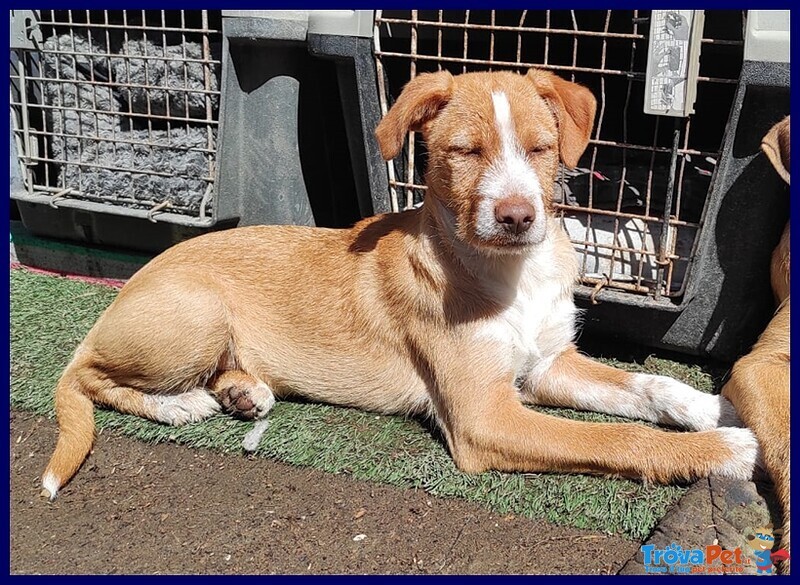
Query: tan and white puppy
(759, 383)
(462, 309)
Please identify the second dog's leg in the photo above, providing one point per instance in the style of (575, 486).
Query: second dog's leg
(241, 394)
(759, 388)
(576, 381)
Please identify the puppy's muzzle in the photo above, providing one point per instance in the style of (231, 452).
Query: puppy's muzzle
(514, 215)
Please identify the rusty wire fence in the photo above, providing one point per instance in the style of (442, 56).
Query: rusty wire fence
(634, 204)
(120, 107)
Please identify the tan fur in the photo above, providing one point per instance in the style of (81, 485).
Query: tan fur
(575, 108)
(395, 315)
(759, 383)
(780, 267)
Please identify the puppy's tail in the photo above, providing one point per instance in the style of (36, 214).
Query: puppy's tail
(75, 413)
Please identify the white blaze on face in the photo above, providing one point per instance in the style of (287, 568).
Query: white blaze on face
(510, 174)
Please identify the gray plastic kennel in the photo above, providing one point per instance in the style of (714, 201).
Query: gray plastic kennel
(140, 128)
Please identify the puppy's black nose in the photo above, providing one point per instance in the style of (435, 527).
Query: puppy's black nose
(516, 216)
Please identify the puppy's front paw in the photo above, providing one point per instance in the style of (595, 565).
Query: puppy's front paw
(676, 403)
(743, 457)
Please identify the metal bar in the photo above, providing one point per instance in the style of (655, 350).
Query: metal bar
(78, 108)
(635, 24)
(547, 30)
(411, 143)
(93, 54)
(546, 37)
(575, 43)
(110, 95)
(620, 248)
(121, 85)
(622, 285)
(209, 113)
(687, 129)
(15, 122)
(410, 185)
(115, 140)
(665, 230)
(185, 69)
(145, 42)
(166, 73)
(503, 28)
(598, 129)
(128, 70)
(649, 191)
(439, 41)
(93, 92)
(624, 152)
(466, 40)
(519, 39)
(132, 27)
(638, 75)
(102, 206)
(653, 148)
(129, 113)
(24, 153)
(491, 41)
(117, 168)
(384, 103)
(622, 214)
(683, 283)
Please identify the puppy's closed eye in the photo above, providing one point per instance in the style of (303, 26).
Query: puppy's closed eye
(539, 149)
(467, 151)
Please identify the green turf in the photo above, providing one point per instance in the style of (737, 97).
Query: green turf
(49, 317)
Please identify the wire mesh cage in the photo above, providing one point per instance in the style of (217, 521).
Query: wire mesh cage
(119, 108)
(635, 203)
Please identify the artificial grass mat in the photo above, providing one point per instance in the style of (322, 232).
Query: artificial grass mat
(50, 316)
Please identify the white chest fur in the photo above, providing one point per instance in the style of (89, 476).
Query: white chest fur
(539, 323)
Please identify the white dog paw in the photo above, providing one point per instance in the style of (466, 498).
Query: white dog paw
(675, 403)
(181, 409)
(745, 454)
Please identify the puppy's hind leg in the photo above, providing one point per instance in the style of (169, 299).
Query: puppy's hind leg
(142, 357)
(82, 385)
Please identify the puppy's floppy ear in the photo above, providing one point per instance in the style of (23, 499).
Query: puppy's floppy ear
(574, 107)
(776, 146)
(419, 102)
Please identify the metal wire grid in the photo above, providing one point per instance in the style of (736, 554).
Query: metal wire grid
(634, 205)
(120, 107)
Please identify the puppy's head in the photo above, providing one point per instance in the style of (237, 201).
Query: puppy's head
(494, 142)
(776, 146)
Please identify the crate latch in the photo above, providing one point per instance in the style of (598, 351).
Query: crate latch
(25, 31)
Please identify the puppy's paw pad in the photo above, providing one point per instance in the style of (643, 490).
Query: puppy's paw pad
(247, 402)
